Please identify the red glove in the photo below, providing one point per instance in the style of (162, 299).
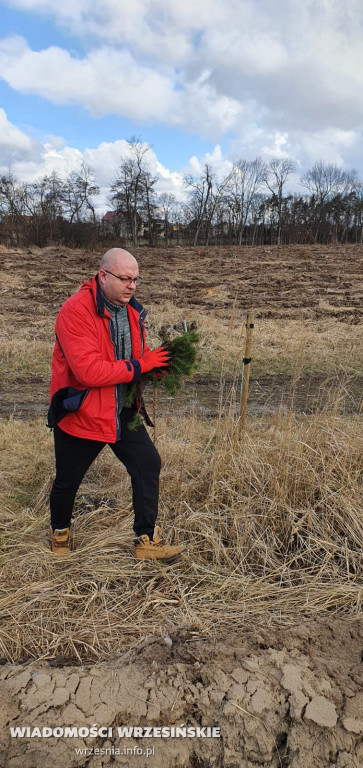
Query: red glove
(159, 358)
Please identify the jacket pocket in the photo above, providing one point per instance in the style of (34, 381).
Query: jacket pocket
(64, 401)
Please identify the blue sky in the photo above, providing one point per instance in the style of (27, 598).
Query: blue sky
(200, 82)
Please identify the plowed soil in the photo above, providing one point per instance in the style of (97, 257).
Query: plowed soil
(279, 282)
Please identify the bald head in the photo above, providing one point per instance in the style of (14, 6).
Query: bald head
(115, 264)
(116, 257)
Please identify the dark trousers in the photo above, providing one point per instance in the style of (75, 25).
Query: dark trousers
(74, 455)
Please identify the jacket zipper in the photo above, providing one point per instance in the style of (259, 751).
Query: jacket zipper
(118, 423)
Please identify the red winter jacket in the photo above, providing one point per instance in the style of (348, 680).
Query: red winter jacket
(84, 359)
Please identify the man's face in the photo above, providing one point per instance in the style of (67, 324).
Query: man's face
(118, 291)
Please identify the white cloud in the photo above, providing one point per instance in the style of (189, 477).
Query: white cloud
(278, 79)
(154, 27)
(104, 81)
(220, 165)
(332, 145)
(109, 81)
(30, 160)
(13, 142)
(301, 64)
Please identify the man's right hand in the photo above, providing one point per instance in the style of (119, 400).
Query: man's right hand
(159, 358)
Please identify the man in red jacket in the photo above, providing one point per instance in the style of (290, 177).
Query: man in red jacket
(100, 348)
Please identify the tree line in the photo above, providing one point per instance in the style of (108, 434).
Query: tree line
(250, 205)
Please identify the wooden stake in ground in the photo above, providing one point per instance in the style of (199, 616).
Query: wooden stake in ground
(246, 371)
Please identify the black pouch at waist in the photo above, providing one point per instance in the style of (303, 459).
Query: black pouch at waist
(64, 401)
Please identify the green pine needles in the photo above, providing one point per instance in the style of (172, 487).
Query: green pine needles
(183, 362)
(136, 422)
(183, 350)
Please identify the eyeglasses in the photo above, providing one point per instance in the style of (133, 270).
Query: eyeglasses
(124, 280)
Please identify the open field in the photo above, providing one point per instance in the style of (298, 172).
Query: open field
(307, 303)
(258, 628)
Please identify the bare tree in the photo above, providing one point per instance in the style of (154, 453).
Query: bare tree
(13, 195)
(246, 180)
(198, 197)
(204, 197)
(166, 204)
(324, 181)
(80, 188)
(257, 214)
(150, 203)
(45, 204)
(133, 188)
(358, 211)
(277, 173)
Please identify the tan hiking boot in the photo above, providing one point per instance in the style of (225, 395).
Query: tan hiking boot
(157, 549)
(60, 542)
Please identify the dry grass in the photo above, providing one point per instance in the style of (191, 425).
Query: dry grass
(286, 347)
(279, 346)
(273, 521)
(273, 524)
